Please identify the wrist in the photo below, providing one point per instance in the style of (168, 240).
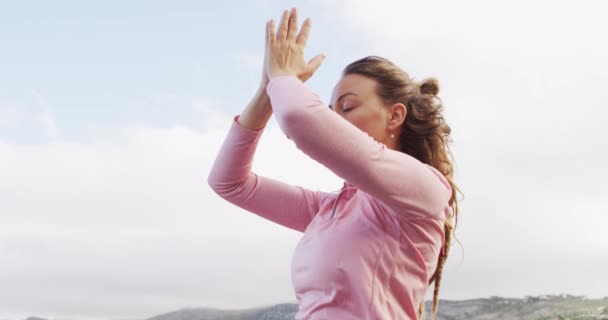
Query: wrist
(281, 74)
(261, 91)
(263, 83)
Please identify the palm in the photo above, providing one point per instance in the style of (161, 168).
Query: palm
(284, 50)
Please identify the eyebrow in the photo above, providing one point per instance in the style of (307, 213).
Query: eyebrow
(342, 96)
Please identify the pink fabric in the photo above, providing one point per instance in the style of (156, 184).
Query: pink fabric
(374, 257)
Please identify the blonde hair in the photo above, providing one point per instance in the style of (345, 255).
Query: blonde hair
(425, 136)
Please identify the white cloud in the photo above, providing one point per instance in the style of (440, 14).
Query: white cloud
(522, 85)
(135, 226)
(208, 111)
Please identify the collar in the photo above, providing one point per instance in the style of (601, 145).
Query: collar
(347, 184)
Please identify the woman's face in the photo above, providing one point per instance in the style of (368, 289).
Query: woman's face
(354, 98)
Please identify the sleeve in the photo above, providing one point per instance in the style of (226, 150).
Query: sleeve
(231, 178)
(398, 180)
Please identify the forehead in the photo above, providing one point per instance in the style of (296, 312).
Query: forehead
(358, 84)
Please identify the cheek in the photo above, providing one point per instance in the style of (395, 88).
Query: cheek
(371, 123)
(360, 121)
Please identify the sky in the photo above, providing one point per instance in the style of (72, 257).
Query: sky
(112, 113)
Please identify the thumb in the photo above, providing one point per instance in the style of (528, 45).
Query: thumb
(315, 62)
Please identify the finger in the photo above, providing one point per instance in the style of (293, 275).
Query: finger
(292, 27)
(282, 33)
(315, 62)
(270, 30)
(304, 32)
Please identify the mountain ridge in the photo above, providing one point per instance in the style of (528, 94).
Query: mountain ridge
(543, 307)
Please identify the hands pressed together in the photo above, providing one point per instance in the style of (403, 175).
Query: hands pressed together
(284, 53)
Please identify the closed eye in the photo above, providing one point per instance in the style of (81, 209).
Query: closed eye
(347, 110)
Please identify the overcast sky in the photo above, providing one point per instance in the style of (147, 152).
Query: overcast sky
(112, 112)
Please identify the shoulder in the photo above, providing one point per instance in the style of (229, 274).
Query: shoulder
(444, 181)
(428, 198)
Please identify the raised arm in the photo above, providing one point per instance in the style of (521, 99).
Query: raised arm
(396, 178)
(231, 177)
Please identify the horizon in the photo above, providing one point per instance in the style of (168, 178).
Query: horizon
(561, 296)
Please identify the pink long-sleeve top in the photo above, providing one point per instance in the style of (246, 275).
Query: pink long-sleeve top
(368, 251)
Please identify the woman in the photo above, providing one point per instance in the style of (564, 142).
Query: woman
(371, 251)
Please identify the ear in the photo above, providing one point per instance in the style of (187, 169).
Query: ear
(396, 116)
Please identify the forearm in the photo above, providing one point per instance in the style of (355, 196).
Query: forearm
(257, 112)
(397, 179)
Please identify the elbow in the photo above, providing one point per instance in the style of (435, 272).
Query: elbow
(225, 189)
(213, 183)
(222, 190)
